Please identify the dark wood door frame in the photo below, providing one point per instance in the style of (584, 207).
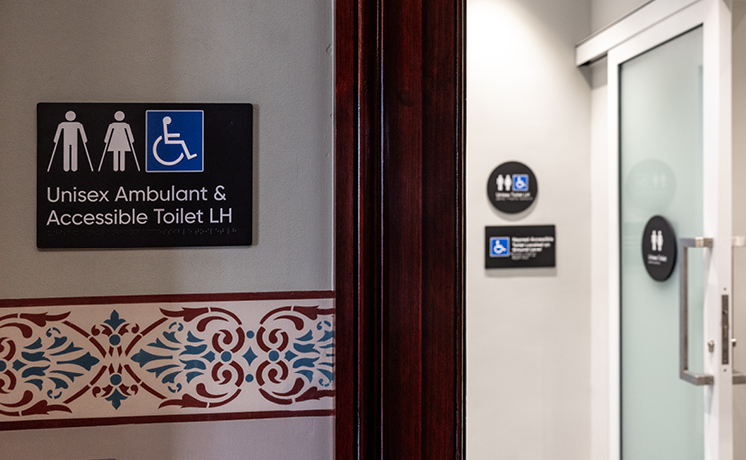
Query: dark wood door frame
(399, 141)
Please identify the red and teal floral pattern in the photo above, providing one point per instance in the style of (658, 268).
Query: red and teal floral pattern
(151, 359)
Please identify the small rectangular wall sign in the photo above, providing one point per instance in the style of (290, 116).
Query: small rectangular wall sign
(520, 246)
(126, 175)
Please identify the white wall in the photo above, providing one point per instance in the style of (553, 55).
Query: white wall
(739, 218)
(599, 265)
(528, 330)
(605, 12)
(275, 54)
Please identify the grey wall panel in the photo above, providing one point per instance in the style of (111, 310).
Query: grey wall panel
(306, 438)
(276, 55)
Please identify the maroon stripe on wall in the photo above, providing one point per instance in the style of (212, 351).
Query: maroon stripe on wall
(166, 298)
(89, 422)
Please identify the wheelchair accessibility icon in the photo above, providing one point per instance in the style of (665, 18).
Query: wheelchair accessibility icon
(175, 140)
(499, 246)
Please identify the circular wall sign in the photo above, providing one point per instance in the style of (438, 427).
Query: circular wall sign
(659, 248)
(512, 187)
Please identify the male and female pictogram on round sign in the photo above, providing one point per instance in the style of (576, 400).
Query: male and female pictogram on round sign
(512, 187)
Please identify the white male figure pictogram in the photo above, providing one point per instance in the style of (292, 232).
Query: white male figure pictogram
(69, 131)
(660, 240)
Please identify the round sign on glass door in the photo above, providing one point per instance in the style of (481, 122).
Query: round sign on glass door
(512, 187)
(659, 248)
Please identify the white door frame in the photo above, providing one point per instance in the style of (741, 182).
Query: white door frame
(655, 23)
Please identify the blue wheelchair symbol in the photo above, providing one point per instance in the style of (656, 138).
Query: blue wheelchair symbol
(520, 182)
(499, 246)
(174, 140)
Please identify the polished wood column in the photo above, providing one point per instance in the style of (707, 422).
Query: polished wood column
(399, 228)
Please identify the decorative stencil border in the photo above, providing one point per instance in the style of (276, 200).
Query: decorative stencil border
(192, 358)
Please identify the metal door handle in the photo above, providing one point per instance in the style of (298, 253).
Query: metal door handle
(738, 377)
(684, 374)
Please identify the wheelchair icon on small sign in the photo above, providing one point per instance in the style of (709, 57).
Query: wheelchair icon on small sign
(175, 140)
(499, 246)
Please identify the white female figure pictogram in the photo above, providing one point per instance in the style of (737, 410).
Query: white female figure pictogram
(119, 141)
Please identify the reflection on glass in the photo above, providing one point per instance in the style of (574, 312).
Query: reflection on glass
(661, 173)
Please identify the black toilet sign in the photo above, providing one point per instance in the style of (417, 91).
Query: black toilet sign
(523, 246)
(141, 175)
(512, 187)
(659, 248)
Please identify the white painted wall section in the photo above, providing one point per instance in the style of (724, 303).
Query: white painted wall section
(528, 330)
(605, 12)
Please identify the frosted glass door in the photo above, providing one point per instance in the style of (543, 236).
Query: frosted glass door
(661, 164)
